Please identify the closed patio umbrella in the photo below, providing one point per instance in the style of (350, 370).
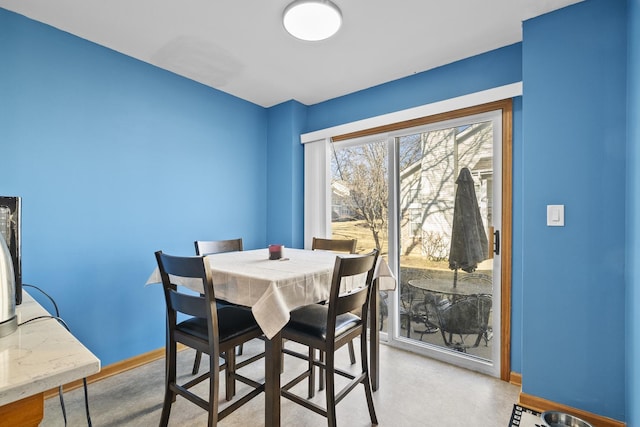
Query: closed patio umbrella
(469, 244)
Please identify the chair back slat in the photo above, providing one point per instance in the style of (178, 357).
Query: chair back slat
(191, 305)
(335, 245)
(354, 300)
(206, 247)
(202, 306)
(180, 266)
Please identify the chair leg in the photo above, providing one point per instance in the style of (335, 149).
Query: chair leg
(321, 372)
(312, 373)
(170, 378)
(352, 353)
(367, 381)
(281, 360)
(214, 385)
(196, 362)
(230, 372)
(330, 391)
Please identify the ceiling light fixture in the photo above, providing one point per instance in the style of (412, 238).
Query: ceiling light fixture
(312, 20)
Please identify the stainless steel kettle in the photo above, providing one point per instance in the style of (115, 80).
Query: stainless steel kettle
(8, 319)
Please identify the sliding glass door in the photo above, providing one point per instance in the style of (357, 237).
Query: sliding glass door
(430, 199)
(449, 204)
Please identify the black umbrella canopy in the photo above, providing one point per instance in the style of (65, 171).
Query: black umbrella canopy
(469, 244)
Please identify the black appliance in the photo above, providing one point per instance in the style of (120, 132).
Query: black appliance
(10, 216)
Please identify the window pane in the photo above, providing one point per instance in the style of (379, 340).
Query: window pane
(434, 295)
(359, 197)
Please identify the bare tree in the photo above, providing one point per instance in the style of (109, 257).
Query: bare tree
(428, 166)
(363, 170)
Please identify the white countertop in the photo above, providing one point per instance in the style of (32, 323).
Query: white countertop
(40, 355)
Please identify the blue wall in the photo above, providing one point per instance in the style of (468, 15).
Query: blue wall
(574, 115)
(285, 157)
(633, 218)
(115, 159)
(487, 71)
(516, 242)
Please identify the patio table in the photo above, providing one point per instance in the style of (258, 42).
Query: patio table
(441, 286)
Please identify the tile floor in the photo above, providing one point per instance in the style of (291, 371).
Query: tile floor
(414, 391)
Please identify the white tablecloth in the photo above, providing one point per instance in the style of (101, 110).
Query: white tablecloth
(272, 288)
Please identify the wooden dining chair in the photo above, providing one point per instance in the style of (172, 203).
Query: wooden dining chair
(335, 245)
(329, 327)
(207, 247)
(209, 329)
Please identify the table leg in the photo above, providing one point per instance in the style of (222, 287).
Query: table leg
(273, 367)
(374, 336)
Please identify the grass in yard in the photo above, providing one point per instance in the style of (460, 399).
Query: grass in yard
(359, 230)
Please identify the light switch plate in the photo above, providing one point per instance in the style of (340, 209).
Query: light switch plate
(555, 215)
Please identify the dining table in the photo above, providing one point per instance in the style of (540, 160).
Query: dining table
(273, 288)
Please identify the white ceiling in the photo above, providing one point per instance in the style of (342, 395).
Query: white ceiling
(240, 46)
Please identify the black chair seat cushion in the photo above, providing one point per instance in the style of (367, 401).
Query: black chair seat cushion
(220, 303)
(233, 321)
(312, 320)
